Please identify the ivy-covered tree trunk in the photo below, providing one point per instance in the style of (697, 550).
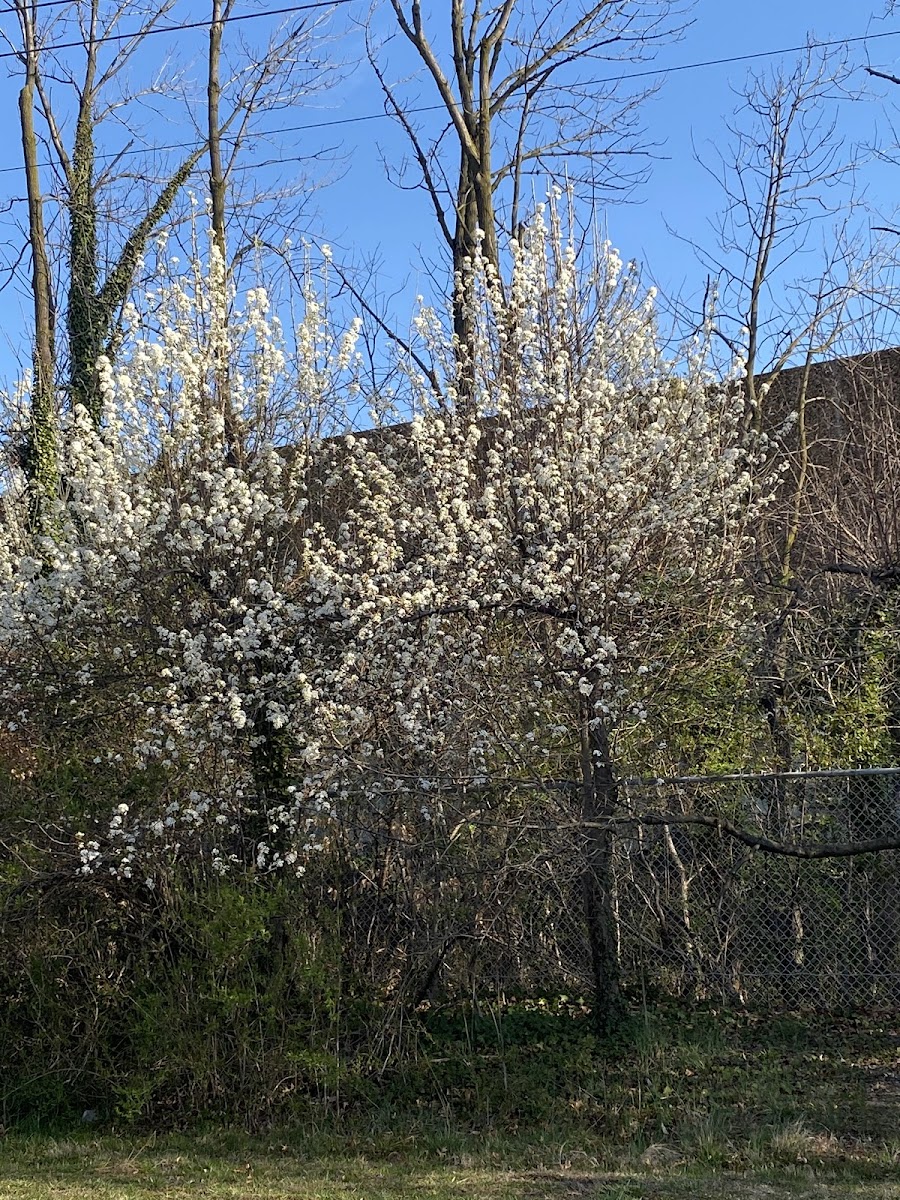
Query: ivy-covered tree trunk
(82, 316)
(93, 309)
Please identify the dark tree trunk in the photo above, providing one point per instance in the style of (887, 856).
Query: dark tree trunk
(599, 796)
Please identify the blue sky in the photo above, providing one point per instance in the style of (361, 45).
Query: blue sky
(362, 215)
(688, 111)
(679, 203)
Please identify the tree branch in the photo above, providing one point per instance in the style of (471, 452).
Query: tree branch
(804, 850)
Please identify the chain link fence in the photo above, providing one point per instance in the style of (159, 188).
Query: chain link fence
(477, 894)
(707, 914)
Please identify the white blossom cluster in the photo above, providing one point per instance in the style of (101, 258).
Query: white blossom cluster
(262, 635)
(563, 533)
(163, 622)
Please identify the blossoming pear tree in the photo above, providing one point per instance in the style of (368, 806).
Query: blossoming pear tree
(159, 635)
(555, 538)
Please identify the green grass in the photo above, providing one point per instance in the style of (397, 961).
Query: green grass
(686, 1104)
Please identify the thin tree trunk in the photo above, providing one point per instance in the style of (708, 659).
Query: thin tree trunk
(218, 190)
(41, 464)
(214, 95)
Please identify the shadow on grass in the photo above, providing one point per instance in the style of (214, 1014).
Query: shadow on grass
(687, 1103)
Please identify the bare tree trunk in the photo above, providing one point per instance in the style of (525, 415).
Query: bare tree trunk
(214, 96)
(463, 251)
(796, 512)
(691, 957)
(218, 191)
(41, 457)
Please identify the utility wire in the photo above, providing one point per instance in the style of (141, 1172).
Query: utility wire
(143, 33)
(39, 6)
(296, 8)
(426, 108)
(42, 4)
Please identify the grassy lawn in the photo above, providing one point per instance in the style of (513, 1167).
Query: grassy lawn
(691, 1105)
(215, 1166)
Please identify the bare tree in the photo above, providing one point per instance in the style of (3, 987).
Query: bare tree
(788, 260)
(519, 93)
(240, 88)
(246, 80)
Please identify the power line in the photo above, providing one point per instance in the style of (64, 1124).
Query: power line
(41, 4)
(739, 58)
(296, 8)
(426, 108)
(142, 33)
(649, 72)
